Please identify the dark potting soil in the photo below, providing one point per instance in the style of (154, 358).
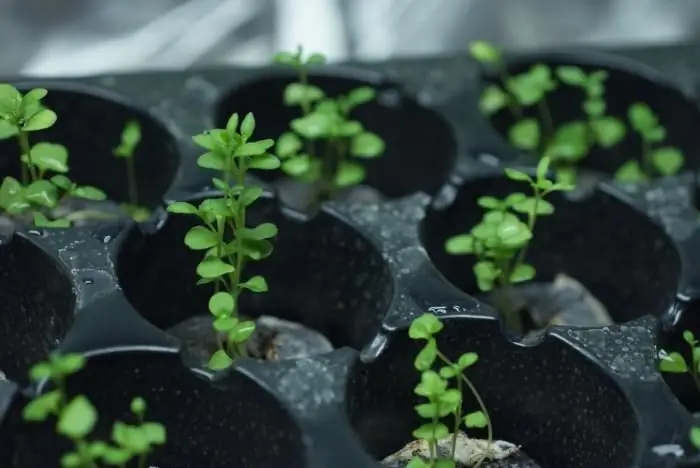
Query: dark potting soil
(303, 197)
(274, 339)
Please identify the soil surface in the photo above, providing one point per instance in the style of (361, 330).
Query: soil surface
(468, 453)
(303, 197)
(274, 339)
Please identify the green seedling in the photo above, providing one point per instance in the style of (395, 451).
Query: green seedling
(38, 192)
(232, 153)
(656, 160)
(320, 143)
(130, 139)
(443, 401)
(500, 241)
(675, 363)
(76, 419)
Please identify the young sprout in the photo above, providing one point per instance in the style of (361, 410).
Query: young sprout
(231, 152)
(38, 191)
(655, 160)
(500, 241)
(320, 142)
(76, 419)
(442, 400)
(573, 141)
(675, 363)
(130, 139)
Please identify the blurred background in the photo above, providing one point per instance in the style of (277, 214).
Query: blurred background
(77, 37)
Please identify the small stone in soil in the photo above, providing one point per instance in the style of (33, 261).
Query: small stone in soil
(273, 339)
(468, 453)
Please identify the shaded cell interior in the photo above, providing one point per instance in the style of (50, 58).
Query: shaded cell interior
(243, 426)
(37, 302)
(617, 253)
(671, 340)
(563, 410)
(678, 114)
(90, 127)
(322, 274)
(423, 162)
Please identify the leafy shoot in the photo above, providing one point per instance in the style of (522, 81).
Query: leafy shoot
(129, 141)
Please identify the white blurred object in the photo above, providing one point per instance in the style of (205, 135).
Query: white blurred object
(75, 37)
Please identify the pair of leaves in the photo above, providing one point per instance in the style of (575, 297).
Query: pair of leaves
(298, 59)
(130, 138)
(665, 161)
(675, 363)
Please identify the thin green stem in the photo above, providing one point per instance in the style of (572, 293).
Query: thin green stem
(458, 419)
(694, 371)
(26, 148)
(512, 103)
(547, 121)
(131, 181)
(432, 446)
(646, 157)
(142, 460)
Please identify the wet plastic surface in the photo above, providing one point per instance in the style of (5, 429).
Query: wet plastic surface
(358, 272)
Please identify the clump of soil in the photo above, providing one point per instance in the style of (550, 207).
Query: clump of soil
(274, 339)
(468, 453)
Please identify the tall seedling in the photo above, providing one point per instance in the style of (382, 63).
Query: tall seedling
(501, 240)
(38, 192)
(229, 244)
(130, 139)
(320, 143)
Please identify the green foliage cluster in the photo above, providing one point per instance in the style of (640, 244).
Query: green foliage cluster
(675, 363)
(76, 419)
(569, 143)
(320, 144)
(442, 400)
(45, 181)
(129, 141)
(500, 241)
(228, 243)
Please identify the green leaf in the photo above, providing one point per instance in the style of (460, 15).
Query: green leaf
(89, 193)
(247, 126)
(424, 327)
(41, 221)
(467, 360)
(431, 432)
(484, 52)
(254, 148)
(34, 95)
(522, 273)
(77, 418)
(359, 96)
(476, 419)
(286, 58)
(260, 232)
(255, 284)
(10, 100)
(513, 233)
(288, 144)
(297, 165)
(630, 171)
(642, 118)
(667, 161)
(431, 384)
(71, 460)
(428, 410)
(608, 131)
(257, 249)
(130, 138)
(298, 94)
(594, 107)
(572, 76)
(695, 436)
(224, 324)
(242, 331)
(349, 174)
(461, 244)
(183, 208)
(532, 205)
(673, 363)
(232, 123)
(490, 203)
(221, 303)
(492, 100)
(514, 174)
(220, 360)
(265, 162)
(41, 192)
(569, 142)
(42, 406)
(138, 405)
(426, 357)
(211, 160)
(62, 182)
(48, 157)
(67, 364)
(250, 195)
(485, 273)
(316, 59)
(525, 134)
(42, 120)
(155, 433)
(116, 456)
(689, 338)
(201, 238)
(542, 169)
(416, 462)
(530, 87)
(367, 145)
(213, 267)
(313, 126)
(7, 130)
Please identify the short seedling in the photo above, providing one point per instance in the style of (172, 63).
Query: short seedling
(675, 363)
(37, 193)
(442, 400)
(500, 241)
(231, 152)
(321, 141)
(76, 419)
(655, 160)
(130, 139)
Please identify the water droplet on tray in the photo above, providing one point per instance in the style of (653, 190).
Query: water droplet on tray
(37, 232)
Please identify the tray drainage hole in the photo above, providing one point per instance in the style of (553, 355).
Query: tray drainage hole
(327, 286)
(36, 303)
(423, 163)
(576, 418)
(623, 87)
(243, 426)
(597, 261)
(89, 126)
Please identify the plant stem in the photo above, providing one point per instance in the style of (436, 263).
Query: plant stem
(512, 103)
(694, 375)
(547, 121)
(131, 181)
(239, 224)
(458, 419)
(646, 157)
(142, 460)
(26, 148)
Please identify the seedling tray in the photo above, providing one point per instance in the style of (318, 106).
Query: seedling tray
(359, 272)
